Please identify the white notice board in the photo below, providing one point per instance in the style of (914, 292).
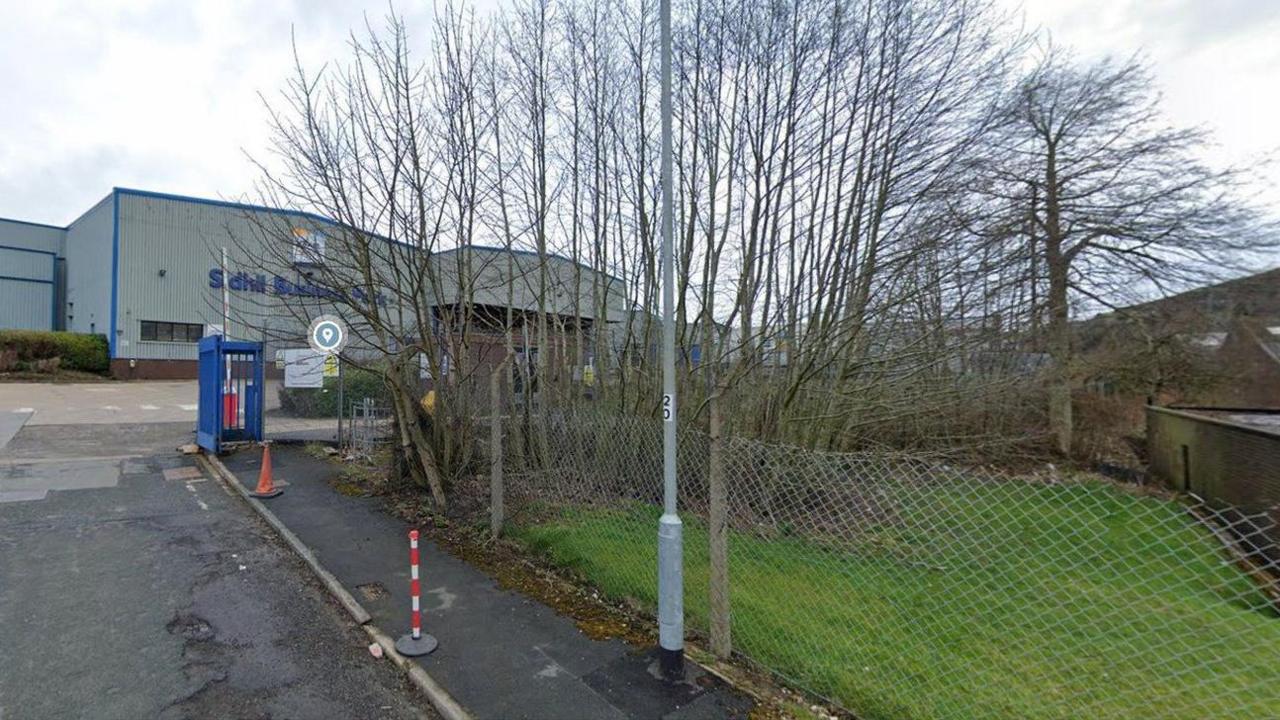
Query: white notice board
(303, 368)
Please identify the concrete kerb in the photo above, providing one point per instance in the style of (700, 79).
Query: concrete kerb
(440, 698)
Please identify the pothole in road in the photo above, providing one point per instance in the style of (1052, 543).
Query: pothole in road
(191, 627)
(372, 591)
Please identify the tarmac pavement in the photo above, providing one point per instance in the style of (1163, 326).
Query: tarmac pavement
(501, 655)
(131, 586)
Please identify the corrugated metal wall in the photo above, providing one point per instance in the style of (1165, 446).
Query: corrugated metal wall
(497, 277)
(88, 270)
(168, 247)
(32, 236)
(29, 275)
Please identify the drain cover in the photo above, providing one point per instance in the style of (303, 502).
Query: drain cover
(186, 472)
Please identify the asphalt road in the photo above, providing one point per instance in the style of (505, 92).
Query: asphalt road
(126, 592)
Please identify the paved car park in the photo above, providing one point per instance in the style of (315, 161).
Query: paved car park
(128, 403)
(101, 403)
(131, 585)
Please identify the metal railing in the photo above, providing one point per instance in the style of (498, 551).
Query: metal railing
(369, 426)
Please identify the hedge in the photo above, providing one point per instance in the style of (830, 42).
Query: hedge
(323, 402)
(74, 351)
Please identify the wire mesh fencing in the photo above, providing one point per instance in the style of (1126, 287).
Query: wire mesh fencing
(901, 587)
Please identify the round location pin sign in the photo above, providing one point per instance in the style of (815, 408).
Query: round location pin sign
(327, 335)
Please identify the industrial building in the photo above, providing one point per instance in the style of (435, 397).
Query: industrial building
(144, 269)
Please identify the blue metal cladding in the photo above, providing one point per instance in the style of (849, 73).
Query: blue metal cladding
(231, 392)
(28, 288)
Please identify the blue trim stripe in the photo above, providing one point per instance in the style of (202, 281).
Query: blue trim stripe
(34, 224)
(255, 208)
(30, 250)
(115, 268)
(328, 221)
(26, 279)
(116, 192)
(515, 251)
(222, 203)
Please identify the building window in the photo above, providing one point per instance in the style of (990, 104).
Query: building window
(155, 331)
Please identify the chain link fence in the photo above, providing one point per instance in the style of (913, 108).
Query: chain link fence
(902, 587)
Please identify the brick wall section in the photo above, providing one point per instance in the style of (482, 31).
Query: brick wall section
(1224, 462)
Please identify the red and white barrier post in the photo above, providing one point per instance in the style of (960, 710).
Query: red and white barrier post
(416, 642)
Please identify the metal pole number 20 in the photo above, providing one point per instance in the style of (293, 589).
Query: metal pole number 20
(670, 532)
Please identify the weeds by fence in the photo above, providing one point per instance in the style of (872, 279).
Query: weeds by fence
(898, 587)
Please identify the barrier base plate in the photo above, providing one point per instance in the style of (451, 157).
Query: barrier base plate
(410, 647)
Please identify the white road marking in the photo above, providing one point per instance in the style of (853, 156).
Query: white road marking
(149, 407)
(114, 408)
(446, 597)
(25, 410)
(199, 502)
(189, 407)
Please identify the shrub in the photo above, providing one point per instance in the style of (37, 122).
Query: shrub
(323, 401)
(74, 351)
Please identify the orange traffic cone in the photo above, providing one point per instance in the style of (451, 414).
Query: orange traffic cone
(265, 487)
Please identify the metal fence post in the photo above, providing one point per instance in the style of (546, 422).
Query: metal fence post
(718, 533)
(495, 453)
(341, 389)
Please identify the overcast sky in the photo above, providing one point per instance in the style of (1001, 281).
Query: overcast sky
(164, 95)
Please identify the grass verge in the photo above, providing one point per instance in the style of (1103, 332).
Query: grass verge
(977, 601)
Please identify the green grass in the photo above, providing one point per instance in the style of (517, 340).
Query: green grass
(977, 601)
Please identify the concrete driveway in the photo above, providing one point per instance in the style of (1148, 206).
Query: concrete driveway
(134, 403)
(101, 403)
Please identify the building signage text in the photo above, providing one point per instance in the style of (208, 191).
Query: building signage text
(241, 281)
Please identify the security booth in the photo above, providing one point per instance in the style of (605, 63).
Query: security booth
(231, 392)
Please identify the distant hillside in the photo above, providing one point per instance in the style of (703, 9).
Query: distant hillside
(1215, 305)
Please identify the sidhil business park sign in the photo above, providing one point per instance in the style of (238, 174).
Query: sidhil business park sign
(265, 284)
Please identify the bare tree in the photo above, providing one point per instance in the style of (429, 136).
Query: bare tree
(389, 151)
(1100, 200)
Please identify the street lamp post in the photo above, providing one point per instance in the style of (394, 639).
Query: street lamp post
(670, 531)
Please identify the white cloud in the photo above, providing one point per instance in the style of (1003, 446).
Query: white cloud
(164, 95)
(1217, 63)
(155, 95)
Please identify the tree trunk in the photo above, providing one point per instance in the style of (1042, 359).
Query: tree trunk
(1058, 261)
(414, 441)
(1060, 417)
